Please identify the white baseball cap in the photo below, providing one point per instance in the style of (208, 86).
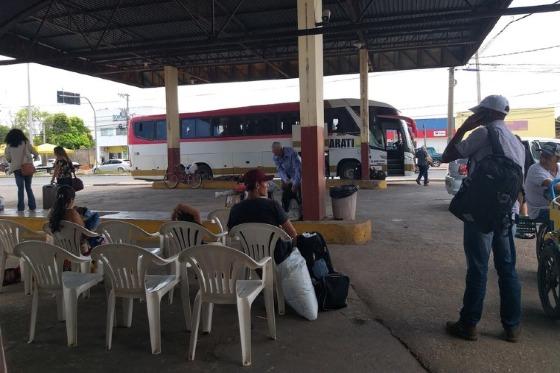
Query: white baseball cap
(493, 102)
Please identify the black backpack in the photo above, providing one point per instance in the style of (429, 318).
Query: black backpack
(331, 288)
(486, 197)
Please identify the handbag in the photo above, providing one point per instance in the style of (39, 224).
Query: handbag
(77, 184)
(27, 169)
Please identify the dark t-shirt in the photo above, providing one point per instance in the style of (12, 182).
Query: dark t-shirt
(258, 210)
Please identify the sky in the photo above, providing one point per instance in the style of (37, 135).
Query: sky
(521, 63)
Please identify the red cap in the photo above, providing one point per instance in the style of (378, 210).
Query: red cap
(254, 176)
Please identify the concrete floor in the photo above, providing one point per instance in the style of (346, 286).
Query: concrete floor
(406, 283)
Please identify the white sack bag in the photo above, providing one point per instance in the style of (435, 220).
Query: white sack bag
(296, 284)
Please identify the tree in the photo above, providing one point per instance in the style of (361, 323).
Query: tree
(3, 132)
(69, 132)
(21, 120)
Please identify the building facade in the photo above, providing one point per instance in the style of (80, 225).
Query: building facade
(530, 122)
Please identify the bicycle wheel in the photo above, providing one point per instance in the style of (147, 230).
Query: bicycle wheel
(548, 276)
(541, 233)
(195, 180)
(171, 180)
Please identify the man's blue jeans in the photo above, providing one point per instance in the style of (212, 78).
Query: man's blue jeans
(24, 184)
(477, 250)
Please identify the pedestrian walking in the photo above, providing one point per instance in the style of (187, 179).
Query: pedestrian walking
(63, 167)
(423, 160)
(491, 141)
(20, 154)
(288, 166)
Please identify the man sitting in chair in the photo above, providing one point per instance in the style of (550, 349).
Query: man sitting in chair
(257, 208)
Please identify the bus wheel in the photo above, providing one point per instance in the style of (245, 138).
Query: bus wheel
(204, 171)
(350, 170)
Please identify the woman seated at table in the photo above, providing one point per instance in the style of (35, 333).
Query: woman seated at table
(64, 209)
(184, 212)
(257, 208)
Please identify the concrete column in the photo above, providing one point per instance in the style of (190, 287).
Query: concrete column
(364, 112)
(450, 101)
(312, 120)
(172, 115)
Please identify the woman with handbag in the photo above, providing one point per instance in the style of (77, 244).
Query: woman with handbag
(63, 168)
(20, 154)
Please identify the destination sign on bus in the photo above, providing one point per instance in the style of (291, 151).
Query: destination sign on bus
(341, 143)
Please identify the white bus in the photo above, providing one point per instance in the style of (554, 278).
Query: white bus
(231, 141)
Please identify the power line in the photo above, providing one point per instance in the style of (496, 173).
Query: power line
(522, 52)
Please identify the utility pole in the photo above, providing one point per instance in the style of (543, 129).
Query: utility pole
(126, 96)
(478, 89)
(450, 100)
(29, 113)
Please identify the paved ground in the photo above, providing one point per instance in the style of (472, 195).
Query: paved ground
(409, 280)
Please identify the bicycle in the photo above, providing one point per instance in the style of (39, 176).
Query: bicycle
(187, 175)
(548, 273)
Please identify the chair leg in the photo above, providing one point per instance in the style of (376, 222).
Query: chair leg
(127, 305)
(34, 306)
(185, 299)
(60, 306)
(194, 329)
(26, 276)
(279, 295)
(110, 319)
(244, 315)
(269, 305)
(207, 311)
(153, 304)
(170, 295)
(71, 313)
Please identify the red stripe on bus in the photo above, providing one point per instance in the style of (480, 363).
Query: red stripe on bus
(137, 141)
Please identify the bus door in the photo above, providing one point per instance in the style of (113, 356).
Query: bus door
(395, 152)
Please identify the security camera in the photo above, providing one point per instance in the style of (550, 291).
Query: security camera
(326, 17)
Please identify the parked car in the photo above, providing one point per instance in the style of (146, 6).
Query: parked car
(49, 167)
(458, 170)
(436, 157)
(113, 165)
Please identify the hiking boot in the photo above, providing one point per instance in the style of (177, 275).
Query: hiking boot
(457, 329)
(512, 334)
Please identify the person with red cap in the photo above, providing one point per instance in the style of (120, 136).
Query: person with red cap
(257, 208)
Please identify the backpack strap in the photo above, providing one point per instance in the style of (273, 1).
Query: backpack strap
(493, 136)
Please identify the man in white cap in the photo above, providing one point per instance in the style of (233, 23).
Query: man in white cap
(477, 245)
(538, 181)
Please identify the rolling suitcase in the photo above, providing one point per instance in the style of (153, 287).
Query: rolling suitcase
(49, 195)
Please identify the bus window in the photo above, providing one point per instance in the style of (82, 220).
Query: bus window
(339, 121)
(203, 128)
(394, 139)
(145, 130)
(161, 130)
(286, 121)
(376, 136)
(188, 128)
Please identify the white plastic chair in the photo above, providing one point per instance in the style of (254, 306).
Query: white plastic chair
(70, 238)
(10, 235)
(259, 240)
(177, 236)
(46, 262)
(117, 231)
(218, 269)
(220, 217)
(125, 277)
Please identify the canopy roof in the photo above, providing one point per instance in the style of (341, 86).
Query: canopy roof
(130, 41)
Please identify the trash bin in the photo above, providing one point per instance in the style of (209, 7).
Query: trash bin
(344, 201)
